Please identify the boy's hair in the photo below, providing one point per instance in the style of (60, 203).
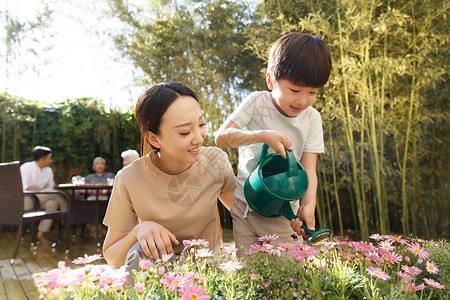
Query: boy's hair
(301, 59)
(40, 151)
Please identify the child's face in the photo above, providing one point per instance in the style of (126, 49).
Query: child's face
(291, 99)
(181, 135)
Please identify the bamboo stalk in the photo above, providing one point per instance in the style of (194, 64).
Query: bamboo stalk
(336, 194)
(349, 135)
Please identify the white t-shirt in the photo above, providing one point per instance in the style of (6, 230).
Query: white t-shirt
(257, 112)
(35, 177)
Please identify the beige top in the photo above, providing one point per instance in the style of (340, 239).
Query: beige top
(185, 204)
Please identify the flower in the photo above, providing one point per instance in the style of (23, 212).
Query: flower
(376, 236)
(204, 253)
(60, 278)
(231, 266)
(305, 252)
(229, 251)
(418, 251)
(392, 257)
(431, 267)
(173, 281)
(397, 239)
(144, 264)
(434, 284)
(387, 245)
(201, 243)
(413, 288)
(268, 238)
(139, 287)
(258, 248)
(87, 259)
(193, 292)
(411, 270)
(377, 272)
(274, 250)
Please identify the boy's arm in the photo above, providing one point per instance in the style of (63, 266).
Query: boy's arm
(231, 135)
(308, 202)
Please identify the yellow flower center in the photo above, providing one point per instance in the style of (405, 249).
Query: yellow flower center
(175, 282)
(378, 273)
(418, 250)
(305, 253)
(193, 296)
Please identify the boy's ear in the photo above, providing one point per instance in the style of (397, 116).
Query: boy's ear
(152, 139)
(269, 81)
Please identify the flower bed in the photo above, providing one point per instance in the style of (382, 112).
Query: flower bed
(389, 268)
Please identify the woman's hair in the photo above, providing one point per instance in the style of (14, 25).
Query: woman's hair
(152, 105)
(300, 58)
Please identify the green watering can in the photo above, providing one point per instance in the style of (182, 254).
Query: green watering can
(274, 184)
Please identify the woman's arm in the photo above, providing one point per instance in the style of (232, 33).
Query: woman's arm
(149, 234)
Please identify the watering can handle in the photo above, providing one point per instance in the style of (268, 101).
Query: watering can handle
(292, 162)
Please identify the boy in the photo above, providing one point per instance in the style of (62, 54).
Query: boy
(299, 64)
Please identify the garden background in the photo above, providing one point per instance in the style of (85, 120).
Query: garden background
(385, 110)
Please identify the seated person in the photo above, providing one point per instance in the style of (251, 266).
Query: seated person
(129, 156)
(38, 176)
(100, 176)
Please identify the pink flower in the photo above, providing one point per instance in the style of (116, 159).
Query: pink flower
(376, 237)
(204, 253)
(139, 286)
(302, 254)
(363, 246)
(392, 257)
(413, 288)
(268, 238)
(229, 251)
(397, 239)
(274, 250)
(60, 278)
(193, 292)
(110, 277)
(144, 264)
(87, 259)
(165, 258)
(253, 277)
(377, 272)
(287, 245)
(434, 284)
(231, 266)
(258, 248)
(173, 281)
(386, 245)
(406, 277)
(431, 267)
(411, 270)
(201, 243)
(418, 251)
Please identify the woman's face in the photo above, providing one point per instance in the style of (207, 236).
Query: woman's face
(180, 136)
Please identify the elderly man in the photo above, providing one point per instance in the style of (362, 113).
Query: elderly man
(38, 176)
(129, 156)
(100, 176)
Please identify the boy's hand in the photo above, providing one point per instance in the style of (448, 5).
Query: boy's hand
(277, 142)
(304, 214)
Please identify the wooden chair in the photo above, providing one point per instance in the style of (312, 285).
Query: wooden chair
(12, 205)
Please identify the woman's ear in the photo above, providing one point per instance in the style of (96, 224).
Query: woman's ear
(269, 81)
(152, 139)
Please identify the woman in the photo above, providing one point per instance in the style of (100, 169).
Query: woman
(170, 194)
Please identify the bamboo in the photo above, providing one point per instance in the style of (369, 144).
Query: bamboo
(405, 208)
(349, 134)
(336, 193)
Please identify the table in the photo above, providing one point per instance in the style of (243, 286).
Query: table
(86, 211)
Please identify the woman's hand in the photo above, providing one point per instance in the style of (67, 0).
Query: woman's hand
(152, 236)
